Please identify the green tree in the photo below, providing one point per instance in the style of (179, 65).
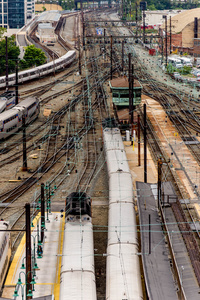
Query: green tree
(13, 53)
(66, 5)
(186, 70)
(2, 31)
(32, 57)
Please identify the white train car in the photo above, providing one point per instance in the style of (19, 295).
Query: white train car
(30, 108)
(11, 120)
(40, 71)
(5, 251)
(77, 279)
(7, 100)
(123, 277)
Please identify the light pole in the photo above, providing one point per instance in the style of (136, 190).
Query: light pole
(34, 259)
(19, 283)
(181, 276)
(165, 17)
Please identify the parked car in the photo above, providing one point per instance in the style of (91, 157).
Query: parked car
(177, 76)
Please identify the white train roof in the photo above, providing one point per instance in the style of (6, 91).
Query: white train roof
(120, 188)
(25, 103)
(78, 250)
(123, 273)
(117, 161)
(122, 224)
(8, 113)
(32, 70)
(78, 285)
(112, 139)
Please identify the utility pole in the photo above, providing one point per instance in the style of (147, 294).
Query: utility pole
(111, 40)
(143, 25)
(28, 251)
(170, 35)
(143, 7)
(165, 17)
(130, 93)
(123, 56)
(79, 56)
(104, 38)
(136, 19)
(132, 88)
(145, 145)
(42, 224)
(54, 71)
(6, 63)
(162, 48)
(159, 181)
(24, 168)
(83, 23)
(149, 234)
(16, 84)
(139, 163)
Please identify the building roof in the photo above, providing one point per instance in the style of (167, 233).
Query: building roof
(122, 82)
(49, 16)
(181, 20)
(44, 25)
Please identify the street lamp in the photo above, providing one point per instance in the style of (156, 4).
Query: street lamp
(23, 265)
(19, 283)
(34, 259)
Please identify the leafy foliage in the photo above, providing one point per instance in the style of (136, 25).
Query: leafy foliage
(2, 31)
(184, 70)
(32, 57)
(66, 5)
(13, 53)
(168, 4)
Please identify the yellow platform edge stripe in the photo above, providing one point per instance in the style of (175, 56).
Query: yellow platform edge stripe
(18, 255)
(56, 290)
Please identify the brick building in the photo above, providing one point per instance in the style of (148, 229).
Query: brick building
(185, 29)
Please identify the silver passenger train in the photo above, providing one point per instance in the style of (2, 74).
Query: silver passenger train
(5, 250)
(77, 278)
(11, 120)
(123, 277)
(37, 72)
(7, 100)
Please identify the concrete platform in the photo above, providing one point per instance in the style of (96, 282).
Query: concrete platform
(186, 170)
(48, 274)
(183, 165)
(155, 256)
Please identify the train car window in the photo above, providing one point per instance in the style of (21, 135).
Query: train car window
(32, 73)
(138, 93)
(124, 96)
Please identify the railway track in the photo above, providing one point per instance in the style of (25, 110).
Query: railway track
(187, 124)
(56, 149)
